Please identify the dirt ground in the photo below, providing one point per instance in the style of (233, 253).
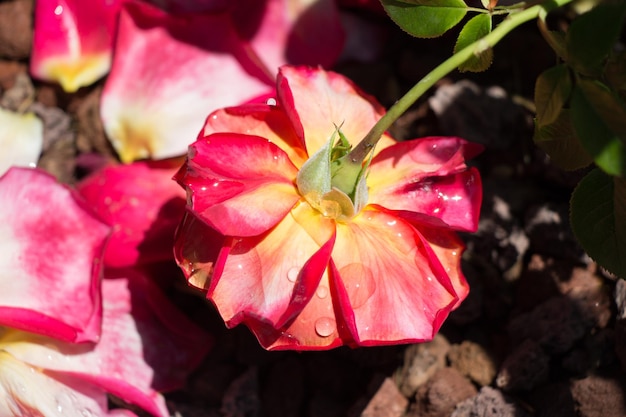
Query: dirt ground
(543, 332)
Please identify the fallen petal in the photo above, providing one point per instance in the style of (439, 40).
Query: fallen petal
(144, 206)
(55, 246)
(21, 139)
(72, 41)
(168, 73)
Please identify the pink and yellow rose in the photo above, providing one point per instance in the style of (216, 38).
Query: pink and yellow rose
(281, 245)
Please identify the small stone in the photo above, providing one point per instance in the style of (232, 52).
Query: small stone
(439, 396)
(421, 361)
(598, 396)
(556, 324)
(524, 369)
(489, 402)
(15, 20)
(473, 361)
(242, 396)
(387, 402)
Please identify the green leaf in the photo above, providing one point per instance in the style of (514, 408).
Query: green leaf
(552, 90)
(559, 141)
(425, 18)
(615, 73)
(592, 35)
(599, 138)
(598, 219)
(476, 28)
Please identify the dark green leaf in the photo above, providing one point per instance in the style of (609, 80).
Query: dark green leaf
(561, 144)
(552, 90)
(592, 35)
(615, 73)
(598, 218)
(425, 18)
(475, 29)
(598, 138)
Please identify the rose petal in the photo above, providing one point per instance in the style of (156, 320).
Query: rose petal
(262, 274)
(291, 31)
(154, 349)
(394, 288)
(50, 263)
(72, 41)
(21, 139)
(428, 176)
(168, 73)
(25, 391)
(317, 102)
(196, 250)
(448, 248)
(143, 204)
(268, 122)
(240, 185)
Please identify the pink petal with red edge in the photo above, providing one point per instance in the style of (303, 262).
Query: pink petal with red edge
(291, 31)
(238, 184)
(168, 73)
(264, 277)
(51, 258)
(263, 120)
(317, 102)
(26, 391)
(72, 41)
(143, 204)
(448, 248)
(428, 176)
(138, 355)
(21, 139)
(391, 287)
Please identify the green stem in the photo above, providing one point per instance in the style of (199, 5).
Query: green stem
(516, 18)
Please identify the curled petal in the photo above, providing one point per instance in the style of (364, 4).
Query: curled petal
(144, 206)
(448, 248)
(167, 74)
(428, 176)
(51, 258)
(154, 349)
(270, 277)
(391, 287)
(291, 31)
(196, 250)
(21, 139)
(317, 102)
(72, 41)
(263, 120)
(238, 184)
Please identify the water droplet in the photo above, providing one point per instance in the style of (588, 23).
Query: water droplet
(453, 253)
(216, 184)
(325, 326)
(429, 278)
(360, 283)
(271, 101)
(292, 274)
(322, 292)
(391, 223)
(58, 10)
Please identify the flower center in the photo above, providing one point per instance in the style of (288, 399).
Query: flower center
(333, 184)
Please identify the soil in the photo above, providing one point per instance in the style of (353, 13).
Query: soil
(543, 332)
